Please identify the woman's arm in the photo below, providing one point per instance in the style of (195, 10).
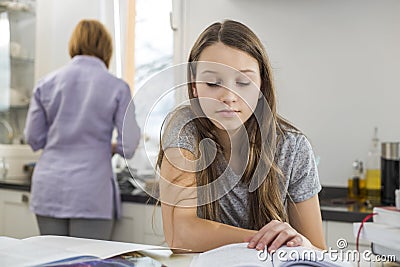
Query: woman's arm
(126, 124)
(182, 227)
(36, 126)
(305, 217)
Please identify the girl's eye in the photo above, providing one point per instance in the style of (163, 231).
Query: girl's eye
(213, 84)
(243, 83)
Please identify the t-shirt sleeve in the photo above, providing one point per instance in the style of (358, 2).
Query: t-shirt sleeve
(179, 131)
(304, 181)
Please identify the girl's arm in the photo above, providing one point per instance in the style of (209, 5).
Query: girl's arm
(182, 227)
(305, 228)
(305, 217)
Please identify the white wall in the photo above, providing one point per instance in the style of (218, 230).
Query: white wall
(55, 23)
(336, 65)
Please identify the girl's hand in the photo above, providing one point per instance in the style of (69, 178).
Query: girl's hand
(275, 234)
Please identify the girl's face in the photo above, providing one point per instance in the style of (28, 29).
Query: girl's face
(227, 85)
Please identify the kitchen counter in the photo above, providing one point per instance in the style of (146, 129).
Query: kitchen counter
(333, 200)
(127, 197)
(15, 185)
(336, 206)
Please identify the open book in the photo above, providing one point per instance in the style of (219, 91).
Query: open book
(52, 250)
(238, 255)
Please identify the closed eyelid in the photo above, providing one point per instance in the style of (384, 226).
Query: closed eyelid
(213, 84)
(243, 82)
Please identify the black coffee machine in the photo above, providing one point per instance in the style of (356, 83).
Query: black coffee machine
(390, 176)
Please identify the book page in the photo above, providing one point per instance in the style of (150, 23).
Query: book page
(8, 241)
(90, 247)
(44, 249)
(28, 254)
(302, 256)
(238, 255)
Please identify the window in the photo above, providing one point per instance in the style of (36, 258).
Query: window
(153, 53)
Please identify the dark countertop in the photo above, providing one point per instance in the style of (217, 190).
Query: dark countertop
(15, 185)
(126, 197)
(138, 198)
(335, 206)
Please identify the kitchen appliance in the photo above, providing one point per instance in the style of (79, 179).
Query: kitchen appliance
(390, 159)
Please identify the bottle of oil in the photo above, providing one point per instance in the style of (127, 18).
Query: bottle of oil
(373, 173)
(356, 185)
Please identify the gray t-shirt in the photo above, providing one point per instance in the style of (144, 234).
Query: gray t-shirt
(294, 156)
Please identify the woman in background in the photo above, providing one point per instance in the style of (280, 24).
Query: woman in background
(208, 194)
(72, 115)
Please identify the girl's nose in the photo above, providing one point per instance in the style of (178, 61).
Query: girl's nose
(228, 96)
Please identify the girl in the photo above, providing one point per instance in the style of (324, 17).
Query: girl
(214, 189)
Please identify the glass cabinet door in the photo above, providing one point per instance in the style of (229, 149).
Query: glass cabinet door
(17, 64)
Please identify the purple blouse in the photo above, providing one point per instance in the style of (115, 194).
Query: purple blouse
(71, 117)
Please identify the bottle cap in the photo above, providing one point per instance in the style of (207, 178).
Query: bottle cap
(391, 150)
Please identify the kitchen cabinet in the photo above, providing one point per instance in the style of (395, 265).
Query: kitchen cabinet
(16, 220)
(335, 231)
(140, 223)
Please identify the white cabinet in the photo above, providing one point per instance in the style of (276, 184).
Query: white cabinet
(16, 220)
(335, 231)
(140, 223)
(340, 232)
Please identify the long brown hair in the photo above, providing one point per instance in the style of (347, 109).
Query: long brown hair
(265, 203)
(91, 38)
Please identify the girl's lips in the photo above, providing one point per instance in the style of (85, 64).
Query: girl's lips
(227, 113)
